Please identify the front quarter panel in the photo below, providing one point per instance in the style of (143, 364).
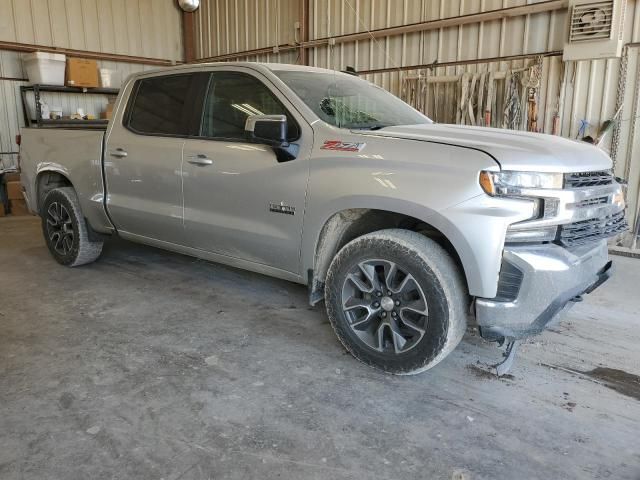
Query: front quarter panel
(433, 182)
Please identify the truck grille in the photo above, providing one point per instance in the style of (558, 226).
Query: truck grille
(590, 202)
(588, 179)
(585, 231)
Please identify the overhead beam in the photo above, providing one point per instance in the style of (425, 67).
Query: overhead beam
(541, 7)
(112, 57)
(474, 61)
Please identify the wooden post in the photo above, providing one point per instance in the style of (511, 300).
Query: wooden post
(303, 52)
(187, 36)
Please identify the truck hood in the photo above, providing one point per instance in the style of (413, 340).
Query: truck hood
(513, 150)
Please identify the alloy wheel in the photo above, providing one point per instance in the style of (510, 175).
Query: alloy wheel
(385, 306)
(60, 228)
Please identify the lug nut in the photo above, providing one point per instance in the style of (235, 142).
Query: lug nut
(378, 294)
(389, 293)
(384, 314)
(393, 314)
(376, 304)
(397, 303)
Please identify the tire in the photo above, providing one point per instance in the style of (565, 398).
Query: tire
(427, 308)
(65, 230)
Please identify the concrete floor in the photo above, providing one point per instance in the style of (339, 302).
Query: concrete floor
(152, 365)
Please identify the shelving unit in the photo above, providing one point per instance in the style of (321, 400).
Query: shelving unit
(48, 123)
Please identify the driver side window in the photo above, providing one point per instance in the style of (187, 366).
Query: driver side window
(233, 97)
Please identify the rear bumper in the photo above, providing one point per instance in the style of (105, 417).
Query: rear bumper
(553, 278)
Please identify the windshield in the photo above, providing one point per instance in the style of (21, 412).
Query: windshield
(350, 102)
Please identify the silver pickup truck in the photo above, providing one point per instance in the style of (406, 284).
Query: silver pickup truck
(407, 229)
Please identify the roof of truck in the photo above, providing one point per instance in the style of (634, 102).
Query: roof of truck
(274, 67)
(301, 68)
(270, 66)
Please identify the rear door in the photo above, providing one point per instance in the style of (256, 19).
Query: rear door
(143, 154)
(239, 199)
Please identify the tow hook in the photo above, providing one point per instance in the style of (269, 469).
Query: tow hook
(509, 355)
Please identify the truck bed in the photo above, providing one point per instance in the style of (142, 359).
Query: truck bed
(76, 154)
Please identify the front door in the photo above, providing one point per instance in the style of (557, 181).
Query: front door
(239, 200)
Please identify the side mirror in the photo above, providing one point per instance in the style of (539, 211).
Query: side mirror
(267, 129)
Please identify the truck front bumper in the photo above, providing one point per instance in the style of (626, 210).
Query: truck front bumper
(551, 278)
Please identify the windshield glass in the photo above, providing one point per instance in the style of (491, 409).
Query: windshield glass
(350, 102)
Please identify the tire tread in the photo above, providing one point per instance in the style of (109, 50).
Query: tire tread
(439, 261)
(88, 251)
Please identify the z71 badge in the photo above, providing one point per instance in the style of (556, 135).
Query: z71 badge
(342, 146)
(282, 208)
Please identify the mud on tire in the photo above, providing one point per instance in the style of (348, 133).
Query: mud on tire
(65, 230)
(405, 282)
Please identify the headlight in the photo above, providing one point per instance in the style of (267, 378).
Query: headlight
(511, 182)
(520, 185)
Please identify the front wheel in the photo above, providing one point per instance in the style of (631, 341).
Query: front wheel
(397, 301)
(65, 229)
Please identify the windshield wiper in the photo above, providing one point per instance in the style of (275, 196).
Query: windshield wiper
(370, 127)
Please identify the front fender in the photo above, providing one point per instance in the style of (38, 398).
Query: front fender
(475, 228)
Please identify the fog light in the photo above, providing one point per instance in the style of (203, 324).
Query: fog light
(545, 234)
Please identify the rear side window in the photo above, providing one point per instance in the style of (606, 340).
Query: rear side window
(160, 105)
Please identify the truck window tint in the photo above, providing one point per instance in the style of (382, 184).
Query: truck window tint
(159, 105)
(233, 97)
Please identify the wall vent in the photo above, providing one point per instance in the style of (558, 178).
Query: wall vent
(591, 22)
(595, 29)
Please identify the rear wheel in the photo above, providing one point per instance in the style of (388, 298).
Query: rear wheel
(65, 229)
(396, 300)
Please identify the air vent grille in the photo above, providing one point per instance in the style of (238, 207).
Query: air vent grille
(588, 179)
(591, 21)
(586, 231)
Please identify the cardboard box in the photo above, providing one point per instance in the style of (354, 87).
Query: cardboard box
(2, 212)
(14, 191)
(108, 113)
(19, 207)
(82, 72)
(11, 177)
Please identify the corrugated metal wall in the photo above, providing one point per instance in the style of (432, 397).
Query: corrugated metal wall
(225, 26)
(144, 28)
(576, 91)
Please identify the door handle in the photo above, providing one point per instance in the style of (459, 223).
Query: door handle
(199, 159)
(118, 152)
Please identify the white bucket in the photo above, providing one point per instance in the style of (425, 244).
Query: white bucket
(110, 78)
(45, 68)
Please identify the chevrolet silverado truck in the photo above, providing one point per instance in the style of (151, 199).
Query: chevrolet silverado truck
(407, 229)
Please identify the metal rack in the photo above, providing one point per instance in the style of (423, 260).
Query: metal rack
(43, 122)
